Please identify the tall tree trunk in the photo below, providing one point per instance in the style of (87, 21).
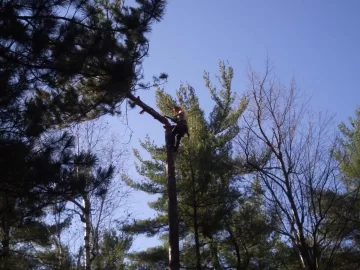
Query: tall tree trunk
(57, 239)
(308, 259)
(87, 230)
(78, 262)
(236, 246)
(5, 226)
(214, 254)
(174, 257)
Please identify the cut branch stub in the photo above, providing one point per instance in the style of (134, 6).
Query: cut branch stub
(149, 110)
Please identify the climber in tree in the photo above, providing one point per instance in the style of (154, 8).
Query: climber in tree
(181, 128)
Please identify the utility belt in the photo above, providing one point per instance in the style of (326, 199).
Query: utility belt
(181, 127)
(182, 122)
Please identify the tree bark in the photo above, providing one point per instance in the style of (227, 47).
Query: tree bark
(236, 246)
(148, 109)
(174, 260)
(87, 229)
(174, 250)
(5, 226)
(214, 254)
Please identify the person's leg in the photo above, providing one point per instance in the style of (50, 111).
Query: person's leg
(175, 131)
(177, 142)
(181, 130)
(186, 131)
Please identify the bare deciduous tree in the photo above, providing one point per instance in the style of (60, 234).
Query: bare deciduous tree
(97, 206)
(289, 149)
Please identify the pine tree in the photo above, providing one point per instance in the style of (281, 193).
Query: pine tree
(61, 62)
(113, 250)
(57, 255)
(37, 175)
(348, 155)
(349, 152)
(205, 175)
(73, 60)
(248, 239)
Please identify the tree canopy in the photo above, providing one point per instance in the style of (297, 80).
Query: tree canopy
(264, 182)
(61, 62)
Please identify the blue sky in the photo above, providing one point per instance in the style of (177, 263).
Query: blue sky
(315, 41)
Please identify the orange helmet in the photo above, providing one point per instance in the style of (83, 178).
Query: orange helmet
(176, 109)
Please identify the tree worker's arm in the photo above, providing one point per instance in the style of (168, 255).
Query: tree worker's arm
(171, 118)
(179, 113)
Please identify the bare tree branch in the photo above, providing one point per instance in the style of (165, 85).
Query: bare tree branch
(289, 149)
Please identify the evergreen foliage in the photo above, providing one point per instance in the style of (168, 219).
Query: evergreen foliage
(71, 60)
(210, 201)
(61, 62)
(349, 152)
(279, 200)
(113, 249)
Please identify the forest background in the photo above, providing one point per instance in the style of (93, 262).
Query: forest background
(313, 55)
